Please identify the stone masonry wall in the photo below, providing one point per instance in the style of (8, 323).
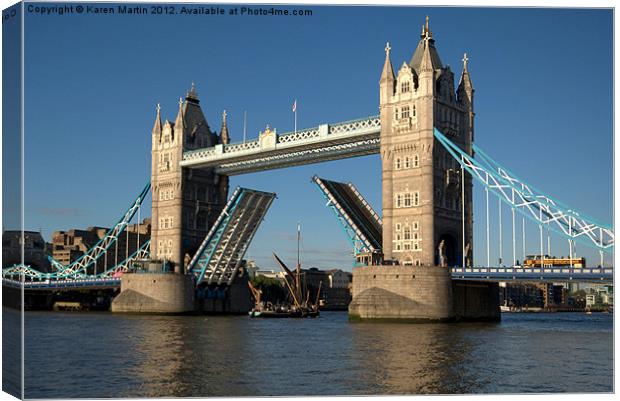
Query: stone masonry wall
(415, 293)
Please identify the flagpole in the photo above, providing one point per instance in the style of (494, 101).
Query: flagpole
(245, 115)
(295, 116)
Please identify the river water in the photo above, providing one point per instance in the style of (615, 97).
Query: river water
(109, 355)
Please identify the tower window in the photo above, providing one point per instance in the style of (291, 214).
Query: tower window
(399, 200)
(416, 161)
(396, 113)
(407, 162)
(416, 198)
(404, 87)
(397, 163)
(405, 112)
(397, 226)
(408, 199)
(413, 111)
(416, 225)
(407, 233)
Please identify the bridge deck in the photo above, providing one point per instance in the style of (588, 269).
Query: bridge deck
(504, 274)
(220, 254)
(551, 274)
(364, 224)
(74, 284)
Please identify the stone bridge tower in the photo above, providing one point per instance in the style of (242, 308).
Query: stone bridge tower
(422, 210)
(422, 190)
(185, 202)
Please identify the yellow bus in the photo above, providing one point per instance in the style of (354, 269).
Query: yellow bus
(549, 261)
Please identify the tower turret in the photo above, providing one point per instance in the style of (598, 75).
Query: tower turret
(465, 97)
(157, 125)
(179, 123)
(465, 91)
(426, 68)
(387, 81)
(224, 136)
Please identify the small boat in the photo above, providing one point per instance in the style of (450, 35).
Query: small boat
(275, 314)
(302, 307)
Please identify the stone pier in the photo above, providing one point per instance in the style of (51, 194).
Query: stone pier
(420, 294)
(155, 293)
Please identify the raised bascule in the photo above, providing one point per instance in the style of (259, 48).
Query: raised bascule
(413, 261)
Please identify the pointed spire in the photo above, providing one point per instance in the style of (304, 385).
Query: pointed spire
(465, 81)
(180, 122)
(427, 59)
(465, 91)
(224, 136)
(192, 95)
(387, 75)
(157, 125)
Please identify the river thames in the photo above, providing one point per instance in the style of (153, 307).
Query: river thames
(98, 355)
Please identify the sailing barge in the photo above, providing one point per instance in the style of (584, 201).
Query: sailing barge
(302, 306)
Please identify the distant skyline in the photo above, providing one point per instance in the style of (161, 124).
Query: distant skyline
(543, 103)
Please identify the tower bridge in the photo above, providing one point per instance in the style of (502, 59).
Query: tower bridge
(414, 259)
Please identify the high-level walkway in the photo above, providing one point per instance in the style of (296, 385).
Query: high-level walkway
(272, 151)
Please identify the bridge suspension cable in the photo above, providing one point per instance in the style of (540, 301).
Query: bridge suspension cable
(100, 249)
(532, 203)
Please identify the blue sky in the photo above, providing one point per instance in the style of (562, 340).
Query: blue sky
(543, 80)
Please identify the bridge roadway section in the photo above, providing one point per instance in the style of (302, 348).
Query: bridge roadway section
(361, 223)
(504, 274)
